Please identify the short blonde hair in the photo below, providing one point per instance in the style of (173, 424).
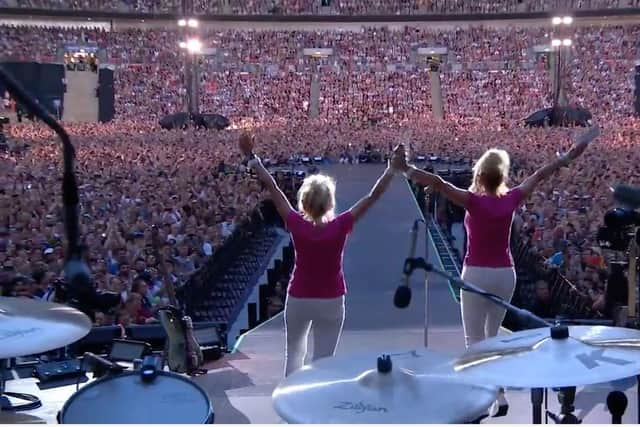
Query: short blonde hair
(317, 197)
(490, 173)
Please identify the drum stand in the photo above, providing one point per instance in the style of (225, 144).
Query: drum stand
(5, 404)
(567, 394)
(566, 398)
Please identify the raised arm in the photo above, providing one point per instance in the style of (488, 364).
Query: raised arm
(279, 199)
(362, 206)
(581, 142)
(426, 179)
(281, 202)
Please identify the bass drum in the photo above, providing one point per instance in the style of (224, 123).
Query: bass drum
(127, 399)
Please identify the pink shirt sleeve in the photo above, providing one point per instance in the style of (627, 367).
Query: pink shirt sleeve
(294, 221)
(516, 196)
(471, 202)
(346, 221)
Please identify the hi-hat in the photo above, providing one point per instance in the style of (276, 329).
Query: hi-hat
(9, 417)
(560, 356)
(32, 326)
(349, 389)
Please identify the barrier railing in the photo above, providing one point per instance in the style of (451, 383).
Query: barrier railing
(566, 299)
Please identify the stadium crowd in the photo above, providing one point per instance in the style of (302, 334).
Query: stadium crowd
(189, 182)
(324, 7)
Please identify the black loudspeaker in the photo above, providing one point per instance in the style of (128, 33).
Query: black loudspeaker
(42, 81)
(560, 116)
(175, 121)
(211, 121)
(106, 95)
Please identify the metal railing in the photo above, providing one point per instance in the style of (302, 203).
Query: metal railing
(566, 300)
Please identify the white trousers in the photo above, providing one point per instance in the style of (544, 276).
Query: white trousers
(481, 318)
(324, 315)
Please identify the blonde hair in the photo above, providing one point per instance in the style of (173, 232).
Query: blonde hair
(490, 173)
(317, 197)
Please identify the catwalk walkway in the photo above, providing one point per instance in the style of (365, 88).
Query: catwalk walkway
(373, 263)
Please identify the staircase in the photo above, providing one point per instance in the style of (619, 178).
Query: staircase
(80, 101)
(450, 262)
(229, 291)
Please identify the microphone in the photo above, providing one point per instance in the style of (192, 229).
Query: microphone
(627, 195)
(101, 363)
(402, 297)
(616, 404)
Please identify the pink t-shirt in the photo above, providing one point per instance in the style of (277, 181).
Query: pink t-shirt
(488, 223)
(317, 272)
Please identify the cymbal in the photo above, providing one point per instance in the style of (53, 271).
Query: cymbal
(578, 355)
(349, 389)
(29, 326)
(9, 417)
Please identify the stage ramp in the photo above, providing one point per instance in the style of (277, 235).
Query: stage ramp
(373, 262)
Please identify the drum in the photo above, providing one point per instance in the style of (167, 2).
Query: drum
(127, 399)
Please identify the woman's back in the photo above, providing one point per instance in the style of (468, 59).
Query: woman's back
(488, 223)
(318, 265)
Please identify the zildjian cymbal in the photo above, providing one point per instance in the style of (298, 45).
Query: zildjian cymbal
(560, 356)
(351, 389)
(29, 326)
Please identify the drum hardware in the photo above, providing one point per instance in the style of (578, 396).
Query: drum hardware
(100, 366)
(150, 367)
(536, 405)
(617, 404)
(566, 398)
(33, 402)
(501, 407)
(564, 356)
(7, 417)
(32, 327)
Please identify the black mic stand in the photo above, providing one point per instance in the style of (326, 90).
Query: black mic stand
(76, 269)
(412, 264)
(75, 266)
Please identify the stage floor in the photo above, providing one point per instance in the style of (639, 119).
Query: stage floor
(240, 385)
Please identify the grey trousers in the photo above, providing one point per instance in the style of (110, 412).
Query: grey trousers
(324, 316)
(481, 318)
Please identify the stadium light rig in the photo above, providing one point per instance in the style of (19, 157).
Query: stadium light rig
(566, 20)
(191, 23)
(193, 46)
(563, 42)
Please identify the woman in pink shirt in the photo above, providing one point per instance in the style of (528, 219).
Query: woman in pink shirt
(317, 286)
(489, 206)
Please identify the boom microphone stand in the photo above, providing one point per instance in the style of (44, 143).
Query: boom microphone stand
(76, 270)
(412, 264)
